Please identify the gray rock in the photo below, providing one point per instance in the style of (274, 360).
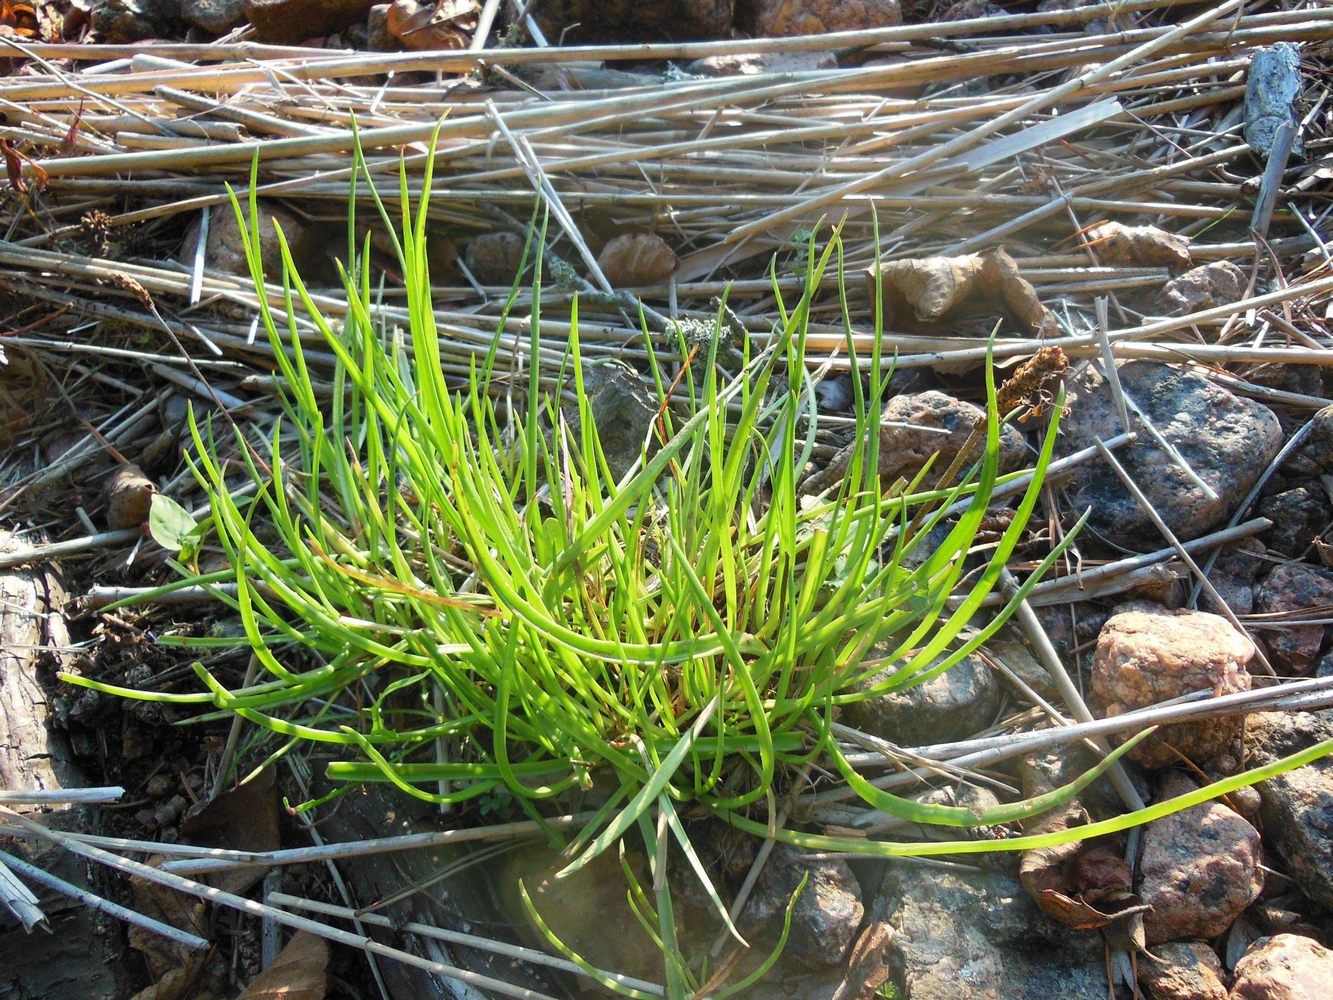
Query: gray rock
(1315, 456)
(826, 916)
(1189, 970)
(1295, 587)
(911, 434)
(1010, 648)
(1217, 284)
(622, 410)
(1199, 868)
(1297, 807)
(1227, 440)
(120, 21)
(1284, 967)
(953, 705)
(1233, 576)
(1299, 516)
(214, 16)
(979, 936)
(1144, 658)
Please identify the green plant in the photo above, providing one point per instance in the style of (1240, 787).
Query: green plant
(468, 572)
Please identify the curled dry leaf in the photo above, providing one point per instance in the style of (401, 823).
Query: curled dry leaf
(1138, 246)
(493, 258)
(634, 259)
(919, 293)
(173, 967)
(431, 26)
(129, 497)
(300, 972)
(243, 819)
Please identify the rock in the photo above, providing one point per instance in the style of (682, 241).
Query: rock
(217, 17)
(1217, 284)
(1294, 587)
(751, 63)
(1315, 456)
(909, 435)
(1199, 868)
(584, 22)
(979, 936)
(1145, 658)
(378, 36)
(1189, 970)
(292, 21)
(1285, 967)
(771, 18)
(622, 410)
(951, 706)
(967, 10)
(1010, 648)
(119, 21)
(1233, 576)
(1097, 26)
(493, 258)
(1299, 516)
(826, 916)
(1297, 807)
(225, 248)
(1227, 440)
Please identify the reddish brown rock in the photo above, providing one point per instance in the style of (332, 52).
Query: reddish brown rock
(1284, 967)
(1144, 658)
(817, 17)
(1295, 587)
(1199, 868)
(1189, 970)
(291, 21)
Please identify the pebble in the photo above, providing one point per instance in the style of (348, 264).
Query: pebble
(1227, 440)
(909, 434)
(1144, 658)
(1199, 868)
(1284, 967)
(1295, 587)
(951, 706)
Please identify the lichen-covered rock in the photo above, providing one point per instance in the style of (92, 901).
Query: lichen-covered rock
(1217, 284)
(951, 706)
(1227, 440)
(1295, 587)
(1284, 967)
(1144, 658)
(1199, 868)
(979, 936)
(1188, 970)
(827, 914)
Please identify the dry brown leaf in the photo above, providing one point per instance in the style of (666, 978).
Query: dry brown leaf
(1138, 246)
(173, 966)
(919, 293)
(129, 494)
(243, 819)
(631, 260)
(300, 972)
(432, 26)
(868, 963)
